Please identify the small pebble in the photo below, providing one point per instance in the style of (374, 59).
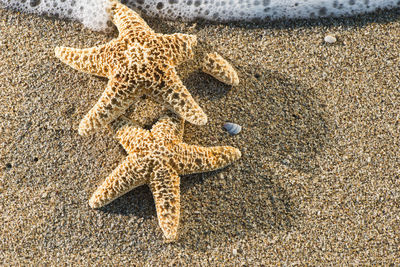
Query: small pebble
(330, 39)
(234, 251)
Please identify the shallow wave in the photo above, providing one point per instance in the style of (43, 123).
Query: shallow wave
(92, 13)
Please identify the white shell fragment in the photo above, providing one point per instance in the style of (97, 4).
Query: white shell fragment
(330, 39)
(232, 128)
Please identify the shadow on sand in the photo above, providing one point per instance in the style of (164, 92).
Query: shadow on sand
(285, 123)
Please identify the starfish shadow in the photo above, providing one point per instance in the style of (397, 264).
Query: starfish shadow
(138, 202)
(290, 121)
(286, 125)
(233, 215)
(203, 86)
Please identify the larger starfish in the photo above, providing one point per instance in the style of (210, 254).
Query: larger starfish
(157, 158)
(138, 62)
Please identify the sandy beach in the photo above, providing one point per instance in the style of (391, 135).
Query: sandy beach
(319, 178)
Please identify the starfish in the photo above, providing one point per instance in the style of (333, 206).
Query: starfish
(139, 61)
(216, 66)
(157, 158)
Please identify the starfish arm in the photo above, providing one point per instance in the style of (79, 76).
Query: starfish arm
(127, 176)
(169, 128)
(164, 184)
(121, 123)
(178, 99)
(180, 46)
(132, 137)
(117, 97)
(195, 159)
(127, 20)
(89, 60)
(216, 66)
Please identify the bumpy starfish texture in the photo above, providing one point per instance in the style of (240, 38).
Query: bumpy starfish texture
(138, 62)
(220, 69)
(157, 158)
(145, 112)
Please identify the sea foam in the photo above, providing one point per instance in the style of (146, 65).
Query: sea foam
(92, 13)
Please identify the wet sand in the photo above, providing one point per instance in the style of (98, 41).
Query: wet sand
(318, 182)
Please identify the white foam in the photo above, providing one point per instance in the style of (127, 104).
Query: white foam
(92, 13)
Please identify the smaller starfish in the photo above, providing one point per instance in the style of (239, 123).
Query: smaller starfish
(157, 158)
(138, 62)
(220, 69)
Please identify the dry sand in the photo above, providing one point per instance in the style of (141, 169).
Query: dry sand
(318, 182)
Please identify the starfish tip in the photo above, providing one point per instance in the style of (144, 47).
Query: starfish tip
(82, 131)
(170, 235)
(219, 68)
(57, 51)
(93, 203)
(198, 120)
(238, 154)
(193, 40)
(87, 126)
(203, 120)
(235, 81)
